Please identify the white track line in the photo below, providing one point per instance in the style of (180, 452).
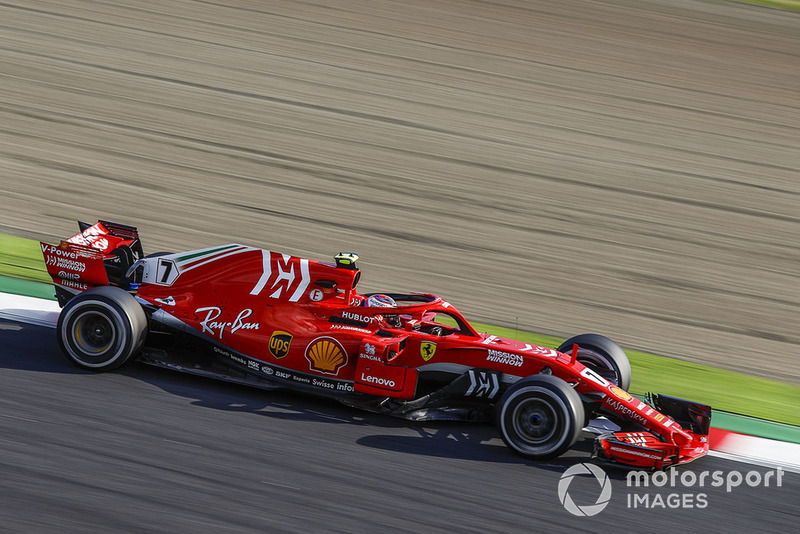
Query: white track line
(761, 462)
(29, 310)
(760, 451)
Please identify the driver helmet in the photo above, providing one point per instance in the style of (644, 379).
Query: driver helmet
(384, 301)
(380, 301)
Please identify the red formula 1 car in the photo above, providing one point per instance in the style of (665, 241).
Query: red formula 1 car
(271, 320)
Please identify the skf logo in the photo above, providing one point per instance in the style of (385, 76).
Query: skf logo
(427, 349)
(279, 343)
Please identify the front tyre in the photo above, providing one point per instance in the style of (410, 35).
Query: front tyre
(540, 416)
(102, 328)
(603, 356)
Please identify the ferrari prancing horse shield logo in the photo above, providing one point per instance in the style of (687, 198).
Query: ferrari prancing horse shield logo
(427, 349)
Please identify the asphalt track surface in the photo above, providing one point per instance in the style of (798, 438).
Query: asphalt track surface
(150, 450)
(626, 167)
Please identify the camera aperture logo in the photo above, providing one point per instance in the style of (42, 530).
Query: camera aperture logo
(662, 489)
(589, 509)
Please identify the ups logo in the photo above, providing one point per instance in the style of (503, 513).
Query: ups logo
(279, 343)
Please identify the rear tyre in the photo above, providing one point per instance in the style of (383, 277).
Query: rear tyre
(602, 356)
(102, 328)
(540, 417)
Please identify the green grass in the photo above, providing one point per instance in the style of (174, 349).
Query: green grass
(793, 5)
(22, 258)
(722, 390)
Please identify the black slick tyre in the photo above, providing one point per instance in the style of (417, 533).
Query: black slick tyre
(603, 356)
(540, 416)
(102, 328)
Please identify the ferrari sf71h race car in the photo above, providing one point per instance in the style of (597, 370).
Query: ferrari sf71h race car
(271, 320)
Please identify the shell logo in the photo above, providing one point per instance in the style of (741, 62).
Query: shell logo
(326, 355)
(621, 393)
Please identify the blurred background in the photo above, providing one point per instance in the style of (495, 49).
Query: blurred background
(630, 168)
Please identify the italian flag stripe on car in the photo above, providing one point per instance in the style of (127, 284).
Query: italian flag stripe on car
(204, 252)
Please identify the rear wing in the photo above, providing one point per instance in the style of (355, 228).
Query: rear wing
(99, 255)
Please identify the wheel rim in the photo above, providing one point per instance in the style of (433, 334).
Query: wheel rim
(600, 364)
(93, 333)
(535, 422)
